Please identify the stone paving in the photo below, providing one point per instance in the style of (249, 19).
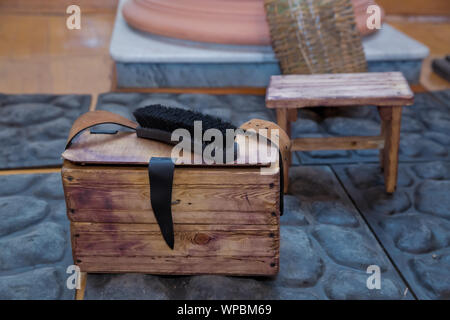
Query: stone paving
(34, 237)
(34, 128)
(413, 224)
(333, 215)
(442, 96)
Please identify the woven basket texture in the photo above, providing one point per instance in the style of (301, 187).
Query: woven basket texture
(315, 36)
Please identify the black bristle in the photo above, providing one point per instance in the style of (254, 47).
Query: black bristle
(169, 119)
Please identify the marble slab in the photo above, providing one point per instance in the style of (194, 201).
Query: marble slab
(145, 60)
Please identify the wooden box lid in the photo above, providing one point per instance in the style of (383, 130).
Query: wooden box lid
(125, 148)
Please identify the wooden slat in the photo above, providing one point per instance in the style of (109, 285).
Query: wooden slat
(337, 143)
(145, 240)
(297, 91)
(29, 171)
(109, 175)
(149, 228)
(416, 7)
(200, 195)
(56, 6)
(179, 217)
(186, 266)
(248, 198)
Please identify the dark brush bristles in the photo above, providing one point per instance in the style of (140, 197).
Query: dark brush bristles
(169, 119)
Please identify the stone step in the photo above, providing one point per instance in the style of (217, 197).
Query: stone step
(145, 60)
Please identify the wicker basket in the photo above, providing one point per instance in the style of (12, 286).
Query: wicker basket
(315, 36)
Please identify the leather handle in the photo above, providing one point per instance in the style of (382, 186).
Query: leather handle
(93, 118)
(284, 143)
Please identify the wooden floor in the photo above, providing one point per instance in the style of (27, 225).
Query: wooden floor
(38, 54)
(435, 35)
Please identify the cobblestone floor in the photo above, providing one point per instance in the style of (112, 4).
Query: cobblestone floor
(34, 128)
(34, 237)
(334, 214)
(413, 224)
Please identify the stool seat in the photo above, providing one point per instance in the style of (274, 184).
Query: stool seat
(343, 89)
(389, 91)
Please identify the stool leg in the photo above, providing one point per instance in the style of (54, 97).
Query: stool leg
(284, 123)
(391, 119)
(383, 134)
(79, 293)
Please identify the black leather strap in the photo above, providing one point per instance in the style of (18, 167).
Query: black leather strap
(160, 172)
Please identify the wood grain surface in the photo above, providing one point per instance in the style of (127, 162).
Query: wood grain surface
(226, 220)
(337, 143)
(126, 148)
(199, 249)
(219, 265)
(211, 195)
(375, 88)
(124, 239)
(416, 7)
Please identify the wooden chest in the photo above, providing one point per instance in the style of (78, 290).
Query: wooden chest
(225, 218)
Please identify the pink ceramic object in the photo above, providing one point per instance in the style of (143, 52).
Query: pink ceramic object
(217, 21)
(229, 21)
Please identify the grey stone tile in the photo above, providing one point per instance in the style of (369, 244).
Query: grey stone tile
(346, 285)
(129, 286)
(413, 224)
(35, 248)
(219, 75)
(34, 128)
(443, 96)
(325, 250)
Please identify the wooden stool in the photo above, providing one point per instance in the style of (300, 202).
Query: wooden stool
(389, 91)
